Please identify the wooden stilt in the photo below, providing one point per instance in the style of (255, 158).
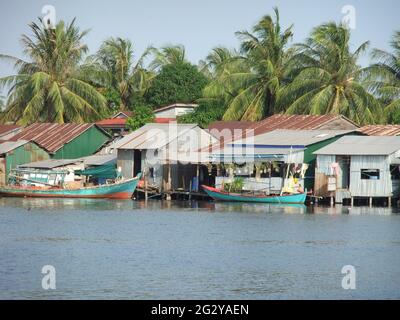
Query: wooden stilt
(169, 177)
(145, 185)
(352, 201)
(390, 202)
(197, 176)
(370, 202)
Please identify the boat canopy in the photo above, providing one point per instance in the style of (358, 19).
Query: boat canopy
(107, 171)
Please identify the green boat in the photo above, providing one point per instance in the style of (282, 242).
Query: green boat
(220, 195)
(121, 189)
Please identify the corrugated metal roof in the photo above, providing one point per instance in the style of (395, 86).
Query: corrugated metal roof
(8, 128)
(275, 122)
(50, 163)
(381, 130)
(362, 145)
(300, 138)
(231, 125)
(296, 122)
(8, 146)
(164, 120)
(98, 160)
(52, 136)
(153, 136)
(120, 122)
(260, 151)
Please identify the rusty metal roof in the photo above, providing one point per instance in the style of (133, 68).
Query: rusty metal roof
(381, 130)
(295, 122)
(52, 136)
(276, 122)
(8, 128)
(231, 125)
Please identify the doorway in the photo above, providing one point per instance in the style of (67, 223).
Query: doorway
(343, 179)
(137, 162)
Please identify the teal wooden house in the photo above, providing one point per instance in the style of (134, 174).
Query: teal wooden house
(65, 141)
(15, 153)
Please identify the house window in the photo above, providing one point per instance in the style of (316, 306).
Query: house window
(370, 174)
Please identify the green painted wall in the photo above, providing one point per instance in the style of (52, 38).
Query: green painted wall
(309, 157)
(84, 145)
(27, 153)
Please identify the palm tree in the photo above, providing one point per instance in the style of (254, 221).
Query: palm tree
(48, 87)
(168, 55)
(114, 67)
(219, 60)
(257, 75)
(2, 103)
(383, 78)
(327, 77)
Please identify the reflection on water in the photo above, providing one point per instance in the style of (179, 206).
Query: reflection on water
(98, 204)
(106, 249)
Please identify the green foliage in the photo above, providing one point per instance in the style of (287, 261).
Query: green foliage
(383, 79)
(142, 115)
(2, 103)
(168, 55)
(180, 82)
(49, 88)
(394, 117)
(235, 186)
(206, 113)
(114, 69)
(250, 83)
(113, 100)
(328, 79)
(264, 76)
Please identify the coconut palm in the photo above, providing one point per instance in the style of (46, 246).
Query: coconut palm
(48, 87)
(168, 55)
(2, 103)
(219, 60)
(113, 67)
(383, 78)
(327, 77)
(256, 78)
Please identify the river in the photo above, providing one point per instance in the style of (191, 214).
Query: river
(196, 250)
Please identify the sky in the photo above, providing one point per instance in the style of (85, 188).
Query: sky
(199, 25)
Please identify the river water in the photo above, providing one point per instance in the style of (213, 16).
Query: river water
(196, 250)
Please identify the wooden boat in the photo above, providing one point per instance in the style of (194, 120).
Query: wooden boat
(119, 190)
(220, 195)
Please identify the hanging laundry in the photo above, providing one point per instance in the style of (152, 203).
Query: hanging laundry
(303, 171)
(335, 168)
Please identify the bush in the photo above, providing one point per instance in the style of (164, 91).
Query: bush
(180, 82)
(142, 115)
(206, 113)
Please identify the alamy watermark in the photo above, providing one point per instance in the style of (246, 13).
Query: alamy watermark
(349, 280)
(349, 19)
(49, 279)
(49, 16)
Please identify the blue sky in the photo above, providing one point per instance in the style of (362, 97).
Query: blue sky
(198, 25)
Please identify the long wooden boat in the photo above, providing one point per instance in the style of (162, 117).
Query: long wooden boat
(119, 190)
(220, 195)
